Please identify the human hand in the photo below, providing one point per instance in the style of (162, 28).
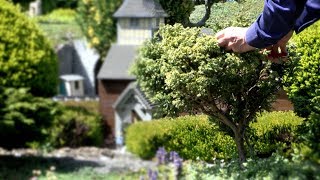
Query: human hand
(233, 38)
(279, 50)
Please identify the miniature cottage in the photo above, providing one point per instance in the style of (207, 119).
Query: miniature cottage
(121, 101)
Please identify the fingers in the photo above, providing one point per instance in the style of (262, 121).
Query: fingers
(223, 37)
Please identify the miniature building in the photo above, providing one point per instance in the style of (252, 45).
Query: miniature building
(76, 57)
(35, 8)
(71, 85)
(137, 21)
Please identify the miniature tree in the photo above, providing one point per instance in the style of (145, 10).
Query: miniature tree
(97, 24)
(183, 70)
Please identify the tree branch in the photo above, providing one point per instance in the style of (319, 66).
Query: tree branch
(202, 22)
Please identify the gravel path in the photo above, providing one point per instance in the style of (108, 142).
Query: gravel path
(101, 159)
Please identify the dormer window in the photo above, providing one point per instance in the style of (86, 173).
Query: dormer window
(134, 22)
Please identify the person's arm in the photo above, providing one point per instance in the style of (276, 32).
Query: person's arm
(277, 20)
(309, 15)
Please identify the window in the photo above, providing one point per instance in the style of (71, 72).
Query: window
(76, 85)
(134, 22)
(157, 22)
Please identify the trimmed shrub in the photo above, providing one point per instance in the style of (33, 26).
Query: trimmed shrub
(231, 13)
(191, 136)
(77, 126)
(24, 118)
(26, 57)
(185, 71)
(197, 137)
(274, 131)
(303, 82)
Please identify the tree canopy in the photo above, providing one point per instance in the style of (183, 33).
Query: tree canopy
(186, 71)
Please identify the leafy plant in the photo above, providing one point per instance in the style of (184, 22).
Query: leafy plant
(75, 127)
(97, 24)
(303, 82)
(24, 118)
(274, 131)
(193, 137)
(26, 57)
(186, 71)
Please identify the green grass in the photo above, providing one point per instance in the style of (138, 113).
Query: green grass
(58, 25)
(57, 33)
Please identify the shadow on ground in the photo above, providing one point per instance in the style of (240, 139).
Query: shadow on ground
(12, 167)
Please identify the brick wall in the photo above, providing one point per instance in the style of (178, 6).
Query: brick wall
(282, 103)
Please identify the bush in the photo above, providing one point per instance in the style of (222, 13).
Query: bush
(231, 13)
(185, 71)
(196, 137)
(77, 126)
(24, 118)
(275, 167)
(191, 136)
(303, 82)
(58, 16)
(26, 57)
(274, 131)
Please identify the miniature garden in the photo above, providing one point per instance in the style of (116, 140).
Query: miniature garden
(214, 115)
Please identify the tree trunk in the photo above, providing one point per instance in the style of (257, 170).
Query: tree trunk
(239, 139)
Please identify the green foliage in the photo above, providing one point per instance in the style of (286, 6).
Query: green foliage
(58, 16)
(183, 71)
(59, 26)
(309, 137)
(76, 126)
(191, 136)
(26, 57)
(24, 118)
(177, 10)
(97, 24)
(232, 13)
(197, 137)
(47, 5)
(188, 71)
(275, 167)
(274, 131)
(303, 82)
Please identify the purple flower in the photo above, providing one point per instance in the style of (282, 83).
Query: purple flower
(161, 155)
(150, 173)
(154, 175)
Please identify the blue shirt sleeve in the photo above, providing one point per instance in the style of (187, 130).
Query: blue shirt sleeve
(277, 19)
(309, 15)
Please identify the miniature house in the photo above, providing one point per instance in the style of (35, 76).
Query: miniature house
(120, 102)
(71, 85)
(35, 8)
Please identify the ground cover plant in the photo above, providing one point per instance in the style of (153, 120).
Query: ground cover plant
(182, 70)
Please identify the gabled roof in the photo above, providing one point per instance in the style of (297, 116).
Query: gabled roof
(140, 9)
(133, 90)
(117, 63)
